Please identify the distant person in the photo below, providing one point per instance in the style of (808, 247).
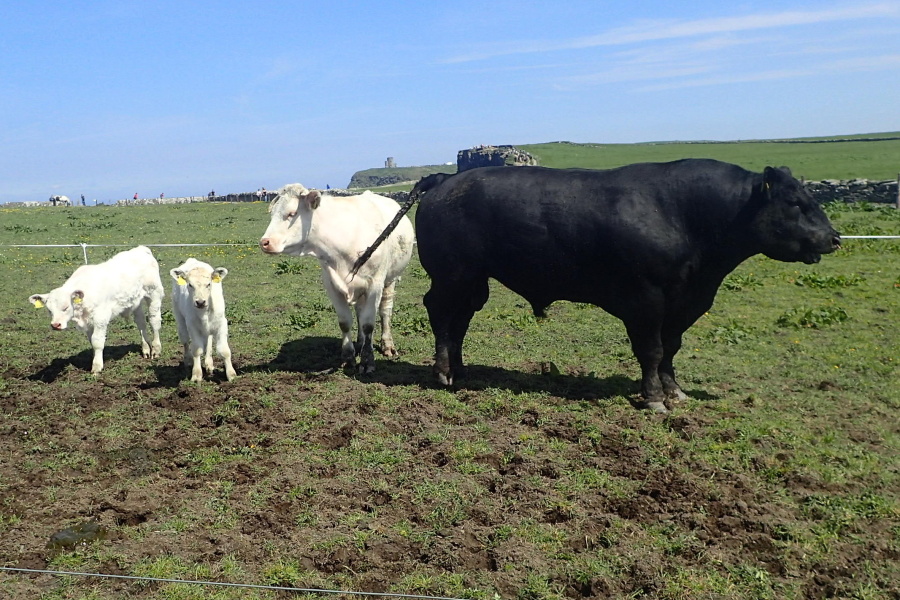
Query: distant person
(161, 196)
(212, 194)
(327, 187)
(135, 195)
(82, 200)
(265, 195)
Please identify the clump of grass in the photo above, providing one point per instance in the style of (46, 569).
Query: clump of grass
(813, 318)
(289, 267)
(731, 334)
(817, 281)
(737, 282)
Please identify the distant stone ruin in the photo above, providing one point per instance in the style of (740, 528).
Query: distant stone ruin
(493, 156)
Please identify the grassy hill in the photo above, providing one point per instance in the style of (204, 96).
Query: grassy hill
(871, 156)
(864, 156)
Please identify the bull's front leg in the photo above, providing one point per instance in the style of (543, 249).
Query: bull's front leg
(648, 349)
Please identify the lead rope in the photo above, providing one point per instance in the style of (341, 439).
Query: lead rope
(384, 234)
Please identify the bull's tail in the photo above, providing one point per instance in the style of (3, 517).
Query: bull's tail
(424, 184)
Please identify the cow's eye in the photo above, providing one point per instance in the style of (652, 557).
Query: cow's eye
(290, 215)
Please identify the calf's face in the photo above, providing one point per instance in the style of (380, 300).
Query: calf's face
(291, 221)
(790, 223)
(198, 282)
(58, 304)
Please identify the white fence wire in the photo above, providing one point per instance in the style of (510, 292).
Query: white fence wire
(84, 247)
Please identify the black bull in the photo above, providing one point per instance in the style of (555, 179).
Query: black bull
(649, 243)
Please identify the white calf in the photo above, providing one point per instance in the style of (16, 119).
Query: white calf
(96, 294)
(198, 302)
(336, 230)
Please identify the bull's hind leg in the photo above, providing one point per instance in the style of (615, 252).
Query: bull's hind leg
(450, 310)
(671, 345)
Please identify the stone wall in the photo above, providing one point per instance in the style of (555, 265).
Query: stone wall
(243, 197)
(829, 190)
(854, 190)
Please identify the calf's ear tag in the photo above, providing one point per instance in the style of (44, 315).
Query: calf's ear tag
(77, 300)
(38, 304)
(180, 280)
(216, 278)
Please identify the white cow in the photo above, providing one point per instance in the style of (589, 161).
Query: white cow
(198, 302)
(95, 294)
(336, 230)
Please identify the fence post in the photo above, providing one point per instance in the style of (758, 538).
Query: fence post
(84, 249)
(898, 191)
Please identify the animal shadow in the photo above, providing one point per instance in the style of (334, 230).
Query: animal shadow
(82, 361)
(318, 355)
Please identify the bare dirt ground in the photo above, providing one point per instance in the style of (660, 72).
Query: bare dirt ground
(316, 480)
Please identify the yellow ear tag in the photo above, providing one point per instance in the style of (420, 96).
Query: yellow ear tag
(216, 278)
(38, 304)
(181, 281)
(77, 300)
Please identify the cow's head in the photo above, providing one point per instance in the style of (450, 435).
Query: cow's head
(291, 218)
(198, 283)
(59, 304)
(789, 223)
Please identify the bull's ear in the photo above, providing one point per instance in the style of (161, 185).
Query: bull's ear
(313, 199)
(38, 300)
(178, 276)
(219, 274)
(77, 297)
(771, 176)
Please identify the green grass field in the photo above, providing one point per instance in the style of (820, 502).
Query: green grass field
(534, 479)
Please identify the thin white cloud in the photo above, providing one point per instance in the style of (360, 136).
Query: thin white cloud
(856, 65)
(649, 31)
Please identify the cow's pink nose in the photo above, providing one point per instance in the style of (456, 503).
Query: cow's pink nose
(56, 326)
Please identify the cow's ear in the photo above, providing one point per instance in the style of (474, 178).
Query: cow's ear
(38, 300)
(313, 199)
(77, 297)
(219, 274)
(178, 276)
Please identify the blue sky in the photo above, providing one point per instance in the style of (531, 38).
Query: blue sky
(109, 98)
